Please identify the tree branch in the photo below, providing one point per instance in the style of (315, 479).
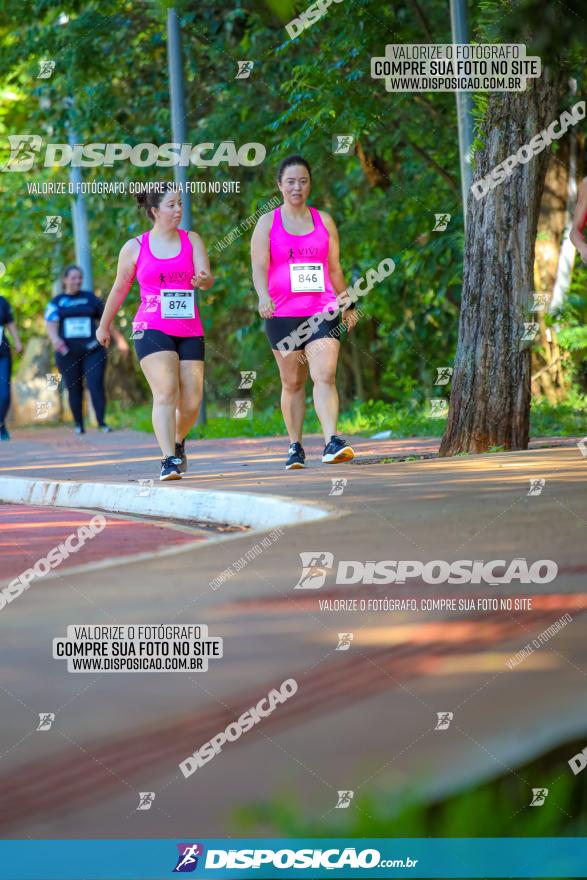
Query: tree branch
(374, 167)
(424, 102)
(422, 19)
(434, 164)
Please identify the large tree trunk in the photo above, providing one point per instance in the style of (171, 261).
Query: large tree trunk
(490, 398)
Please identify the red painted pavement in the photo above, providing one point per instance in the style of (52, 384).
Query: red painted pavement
(28, 533)
(75, 777)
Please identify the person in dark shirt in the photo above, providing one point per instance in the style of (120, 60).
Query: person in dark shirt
(6, 324)
(71, 319)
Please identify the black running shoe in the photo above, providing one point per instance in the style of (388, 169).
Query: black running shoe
(337, 450)
(170, 468)
(296, 457)
(4, 435)
(180, 453)
(79, 429)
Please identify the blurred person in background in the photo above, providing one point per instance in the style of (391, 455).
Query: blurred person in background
(71, 319)
(7, 323)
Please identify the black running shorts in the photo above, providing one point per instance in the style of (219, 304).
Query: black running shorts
(295, 333)
(188, 348)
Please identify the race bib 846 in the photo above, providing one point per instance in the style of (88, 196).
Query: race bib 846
(307, 277)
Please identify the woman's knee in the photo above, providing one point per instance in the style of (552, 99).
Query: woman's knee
(189, 406)
(292, 384)
(323, 376)
(166, 396)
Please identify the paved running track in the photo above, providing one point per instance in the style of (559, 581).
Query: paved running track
(362, 719)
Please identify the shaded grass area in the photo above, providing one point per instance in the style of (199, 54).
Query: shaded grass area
(364, 419)
(566, 419)
(497, 808)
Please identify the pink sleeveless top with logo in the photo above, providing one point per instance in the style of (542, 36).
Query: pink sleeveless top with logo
(161, 309)
(298, 281)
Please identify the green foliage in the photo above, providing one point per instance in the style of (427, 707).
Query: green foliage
(268, 423)
(571, 323)
(375, 415)
(111, 58)
(568, 418)
(367, 418)
(486, 810)
(565, 419)
(574, 338)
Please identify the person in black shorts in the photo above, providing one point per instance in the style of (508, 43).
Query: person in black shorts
(71, 319)
(303, 299)
(171, 266)
(6, 323)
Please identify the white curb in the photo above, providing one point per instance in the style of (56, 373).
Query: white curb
(234, 508)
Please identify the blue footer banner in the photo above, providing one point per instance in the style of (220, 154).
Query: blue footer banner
(554, 857)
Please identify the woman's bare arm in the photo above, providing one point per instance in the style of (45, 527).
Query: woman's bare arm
(204, 279)
(260, 264)
(579, 217)
(127, 267)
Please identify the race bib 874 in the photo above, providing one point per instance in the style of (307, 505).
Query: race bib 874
(177, 304)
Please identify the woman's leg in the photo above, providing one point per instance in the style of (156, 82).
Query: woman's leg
(161, 369)
(5, 370)
(322, 357)
(94, 371)
(293, 371)
(191, 383)
(70, 366)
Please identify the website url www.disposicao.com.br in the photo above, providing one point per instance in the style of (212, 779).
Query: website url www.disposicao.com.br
(329, 859)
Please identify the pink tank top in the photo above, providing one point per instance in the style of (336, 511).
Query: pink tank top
(298, 281)
(157, 279)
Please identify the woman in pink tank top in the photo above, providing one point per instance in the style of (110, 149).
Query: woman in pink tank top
(169, 265)
(297, 275)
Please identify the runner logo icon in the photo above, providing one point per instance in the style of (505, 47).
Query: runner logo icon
(46, 68)
(536, 486)
(342, 143)
(441, 222)
(23, 151)
(241, 409)
(344, 641)
(244, 69)
(247, 378)
(444, 375)
(344, 799)
(539, 795)
(53, 225)
(46, 719)
(315, 567)
(444, 719)
(146, 799)
(187, 860)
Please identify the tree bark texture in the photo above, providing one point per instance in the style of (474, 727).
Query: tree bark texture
(490, 397)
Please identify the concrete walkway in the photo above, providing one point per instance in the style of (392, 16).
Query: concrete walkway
(362, 719)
